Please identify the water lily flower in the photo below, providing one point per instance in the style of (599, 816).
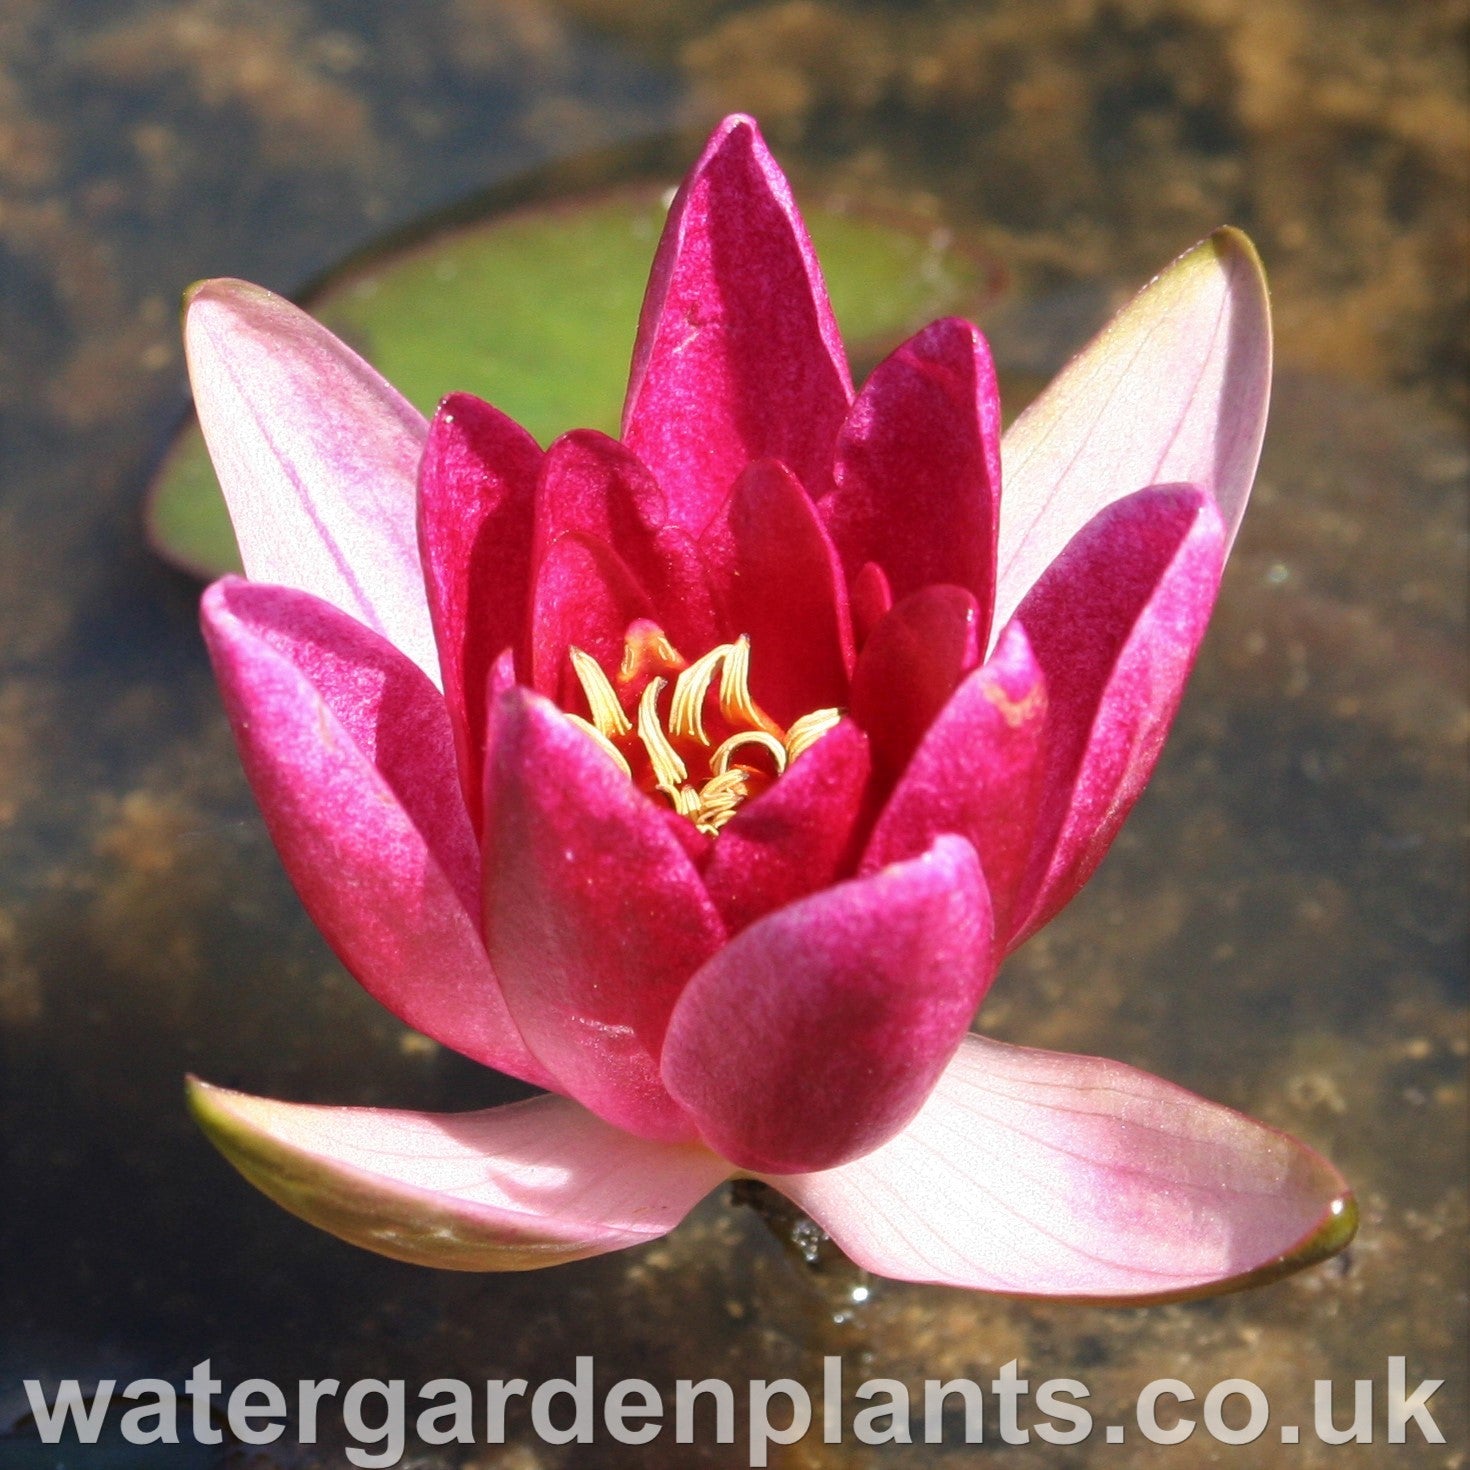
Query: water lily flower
(703, 777)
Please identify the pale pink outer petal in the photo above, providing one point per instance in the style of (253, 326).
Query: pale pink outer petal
(817, 1032)
(1039, 1174)
(318, 458)
(1175, 388)
(738, 356)
(348, 750)
(531, 1184)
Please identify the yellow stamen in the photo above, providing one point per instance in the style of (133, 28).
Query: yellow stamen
(719, 786)
(669, 772)
(719, 762)
(735, 702)
(686, 710)
(719, 800)
(602, 699)
(602, 743)
(805, 732)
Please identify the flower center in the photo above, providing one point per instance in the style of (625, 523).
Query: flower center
(705, 761)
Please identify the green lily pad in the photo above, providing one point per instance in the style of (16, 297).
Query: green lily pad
(536, 309)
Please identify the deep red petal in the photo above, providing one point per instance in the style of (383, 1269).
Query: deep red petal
(585, 597)
(908, 669)
(816, 1034)
(594, 914)
(776, 579)
(794, 838)
(918, 468)
(477, 484)
(593, 485)
(738, 357)
(977, 772)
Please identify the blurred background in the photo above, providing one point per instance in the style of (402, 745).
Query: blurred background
(1281, 925)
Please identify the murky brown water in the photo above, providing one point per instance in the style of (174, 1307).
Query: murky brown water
(1281, 925)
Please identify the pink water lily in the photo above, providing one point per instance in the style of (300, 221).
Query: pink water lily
(704, 777)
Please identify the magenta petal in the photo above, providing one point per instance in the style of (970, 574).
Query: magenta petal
(592, 485)
(1115, 624)
(776, 579)
(977, 773)
(909, 667)
(477, 485)
(1174, 389)
(317, 456)
(585, 597)
(534, 1183)
(795, 837)
(870, 599)
(816, 1034)
(1038, 1174)
(594, 913)
(918, 467)
(738, 357)
(347, 747)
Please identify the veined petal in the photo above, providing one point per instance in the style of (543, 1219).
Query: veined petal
(776, 579)
(815, 1034)
(1038, 1174)
(347, 747)
(977, 772)
(477, 488)
(1115, 623)
(595, 916)
(738, 356)
(318, 458)
(918, 468)
(531, 1184)
(1175, 388)
(797, 836)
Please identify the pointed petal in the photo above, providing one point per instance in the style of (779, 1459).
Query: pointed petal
(477, 485)
(918, 467)
(594, 914)
(531, 1184)
(348, 750)
(794, 838)
(738, 356)
(592, 485)
(1175, 388)
(1115, 623)
(816, 1034)
(776, 579)
(585, 597)
(977, 773)
(317, 456)
(910, 666)
(1037, 1174)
